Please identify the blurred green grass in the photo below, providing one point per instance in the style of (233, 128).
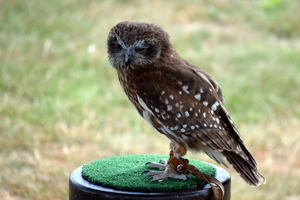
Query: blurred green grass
(61, 105)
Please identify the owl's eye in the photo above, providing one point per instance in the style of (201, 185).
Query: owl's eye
(117, 46)
(143, 48)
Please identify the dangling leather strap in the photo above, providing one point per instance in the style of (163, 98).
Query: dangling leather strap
(182, 166)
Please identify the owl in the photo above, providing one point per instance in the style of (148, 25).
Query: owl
(177, 98)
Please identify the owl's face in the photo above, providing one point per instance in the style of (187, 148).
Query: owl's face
(134, 44)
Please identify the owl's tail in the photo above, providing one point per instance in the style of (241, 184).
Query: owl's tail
(246, 168)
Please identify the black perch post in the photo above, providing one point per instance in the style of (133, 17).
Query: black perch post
(82, 189)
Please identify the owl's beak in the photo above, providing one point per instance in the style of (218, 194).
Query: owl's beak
(127, 54)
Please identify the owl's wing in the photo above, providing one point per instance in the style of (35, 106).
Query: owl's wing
(187, 107)
(208, 79)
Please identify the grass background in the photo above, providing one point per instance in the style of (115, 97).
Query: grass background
(61, 105)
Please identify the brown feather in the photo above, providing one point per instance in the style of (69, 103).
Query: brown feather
(176, 97)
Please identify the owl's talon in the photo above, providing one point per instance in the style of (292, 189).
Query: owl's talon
(146, 171)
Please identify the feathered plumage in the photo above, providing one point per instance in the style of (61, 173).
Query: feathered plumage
(177, 98)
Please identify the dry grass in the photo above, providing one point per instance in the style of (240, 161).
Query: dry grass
(61, 106)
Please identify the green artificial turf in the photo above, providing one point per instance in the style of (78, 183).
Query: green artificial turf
(125, 173)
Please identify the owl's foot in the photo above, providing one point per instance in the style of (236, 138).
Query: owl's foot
(177, 166)
(167, 171)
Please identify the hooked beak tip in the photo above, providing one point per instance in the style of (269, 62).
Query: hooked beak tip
(127, 57)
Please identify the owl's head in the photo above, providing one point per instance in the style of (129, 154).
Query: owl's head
(136, 44)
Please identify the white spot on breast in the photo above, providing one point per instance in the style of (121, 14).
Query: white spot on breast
(167, 101)
(172, 128)
(198, 96)
(184, 125)
(187, 113)
(205, 125)
(204, 115)
(214, 106)
(217, 120)
(191, 109)
(192, 127)
(171, 97)
(162, 93)
(204, 143)
(201, 90)
(178, 115)
(182, 130)
(179, 82)
(176, 127)
(156, 110)
(196, 114)
(185, 89)
(215, 126)
(176, 104)
(210, 125)
(169, 107)
(179, 92)
(185, 137)
(205, 103)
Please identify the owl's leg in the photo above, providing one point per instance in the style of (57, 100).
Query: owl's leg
(167, 170)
